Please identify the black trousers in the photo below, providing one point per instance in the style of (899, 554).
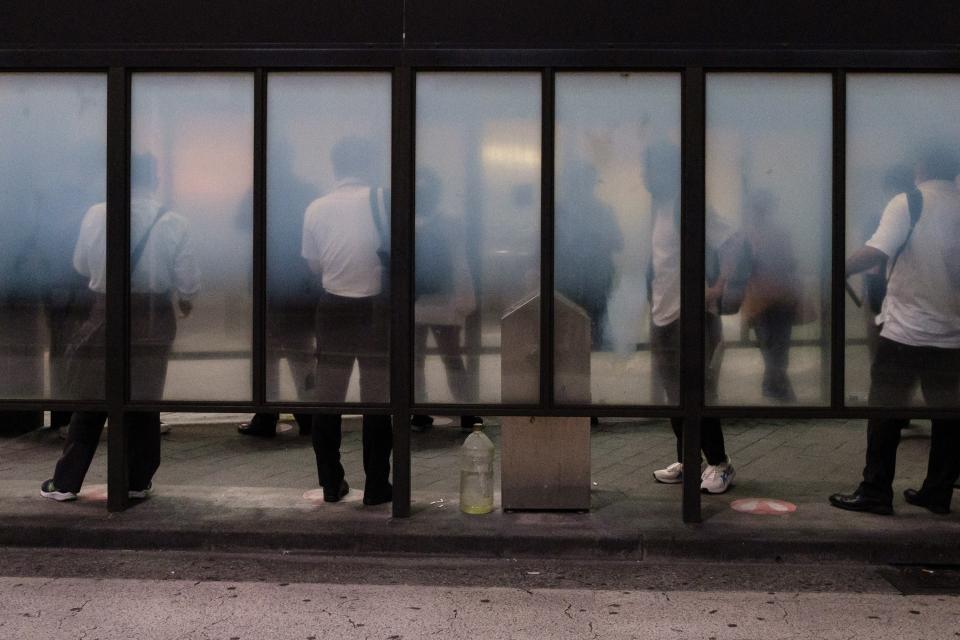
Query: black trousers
(143, 429)
(896, 370)
(448, 344)
(153, 328)
(348, 330)
(291, 332)
(665, 348)
(773, 328)
(291, 335)
(377, 445)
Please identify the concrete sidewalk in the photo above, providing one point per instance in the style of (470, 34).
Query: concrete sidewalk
(218, 490)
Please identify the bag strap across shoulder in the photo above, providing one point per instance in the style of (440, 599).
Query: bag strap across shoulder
(915, 206)
(375, 195)
(138, 250)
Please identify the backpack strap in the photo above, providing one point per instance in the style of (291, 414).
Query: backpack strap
(915, 206)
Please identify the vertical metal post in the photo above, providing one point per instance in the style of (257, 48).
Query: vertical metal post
(259, 236)
(838, 301)
(118, 302)
(547, 162)
(401, 276)
(693, 243)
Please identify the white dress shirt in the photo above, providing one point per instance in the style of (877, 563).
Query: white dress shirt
(168, 262)
(340, 240)
(922, 306)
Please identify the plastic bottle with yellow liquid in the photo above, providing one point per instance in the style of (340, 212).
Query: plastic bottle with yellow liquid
(476, 473)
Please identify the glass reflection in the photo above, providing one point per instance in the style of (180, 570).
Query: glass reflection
(478, 171)
(605, 217)
(191, 214)
(52, 169)
(769, 189)
(903, 241)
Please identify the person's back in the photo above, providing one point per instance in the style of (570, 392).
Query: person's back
(340, 237)
(922, 307)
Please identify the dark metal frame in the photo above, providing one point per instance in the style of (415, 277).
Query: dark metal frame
(403, 62)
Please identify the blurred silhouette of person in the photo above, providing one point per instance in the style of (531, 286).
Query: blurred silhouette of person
(772, 300)
(587, 237)
(346, 243)
(163, 269)
(919, 334)
(21, 283)
(67, 299)
(444, 293)
(662, 180)
(45, 174)
(291, 294)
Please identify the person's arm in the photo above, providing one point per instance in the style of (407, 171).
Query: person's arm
(186, 268)
(891, 233)
(863, 259)
(309, 249)
(93, 221)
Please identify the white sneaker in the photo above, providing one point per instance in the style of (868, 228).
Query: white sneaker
(671, 475)
(717, 478)
(140, 494)
(50, 491)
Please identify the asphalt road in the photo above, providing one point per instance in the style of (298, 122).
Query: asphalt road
(146, 595)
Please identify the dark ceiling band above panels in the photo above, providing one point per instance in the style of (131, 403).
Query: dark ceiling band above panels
(530, 24)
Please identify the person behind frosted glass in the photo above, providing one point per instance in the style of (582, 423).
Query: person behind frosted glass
(343, 243)
(898, 179)
(588, 236)
(165, 270)
(445, 295)
(291, 292)
(21, 281)
(919, 335)
(772, 300)
(661, 178)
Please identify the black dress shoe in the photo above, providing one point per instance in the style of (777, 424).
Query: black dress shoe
(371, 498)
(916, 498)
(336, 493)
(248, 429)
(859, 502)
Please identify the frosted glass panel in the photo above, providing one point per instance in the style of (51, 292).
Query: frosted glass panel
(477, 237)
(769, 176)
(328, 306)
(191, 236)
(605, 213)
(903, 137)
(52, 170)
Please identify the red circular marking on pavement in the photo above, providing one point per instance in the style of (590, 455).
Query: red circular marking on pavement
(763, 506)
(94, 493)
(316, 496)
